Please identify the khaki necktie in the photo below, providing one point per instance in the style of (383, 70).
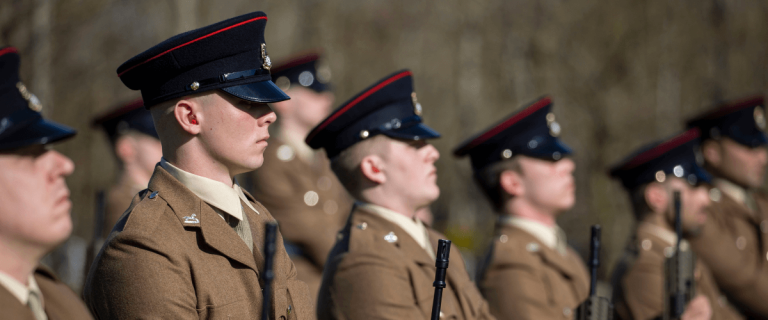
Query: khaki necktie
(242, 228)
(36, 304)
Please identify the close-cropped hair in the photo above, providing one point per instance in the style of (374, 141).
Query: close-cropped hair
(640, 207)
(346, 165)
(489, 179)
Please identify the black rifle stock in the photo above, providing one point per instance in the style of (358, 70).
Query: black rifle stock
(441, 263)
(679, 271)
(595, 307)
(270, 233)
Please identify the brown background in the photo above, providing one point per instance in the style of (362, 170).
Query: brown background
(621, 72)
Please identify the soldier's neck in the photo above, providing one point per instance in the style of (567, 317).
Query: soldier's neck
(390, 202)
(658, 219)
(18, 260)
(201, 165)
(523, 209)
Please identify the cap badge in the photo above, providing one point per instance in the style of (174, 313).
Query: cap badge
(660, 176)
(323, 72)
(554, 127)
(267, 64)
(759, 118)
(32, 101)
(416, 104)
(306, 78)
(283, 83)
(506, 154)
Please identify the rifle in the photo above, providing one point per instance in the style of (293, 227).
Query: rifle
(679, 271)
(270, 233)
(595, 307)
(98, 226)
(441, 263)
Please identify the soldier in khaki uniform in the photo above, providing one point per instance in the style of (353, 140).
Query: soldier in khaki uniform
(530, 271)
(734, 241)
(34, 204)
(136, 145)
(383, 264)
(190, 245)
(650, 176)
(296, 183)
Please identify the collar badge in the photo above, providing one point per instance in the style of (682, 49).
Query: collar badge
(32, 101)
(760, 118)
(554, 127)
(192, 219)
(416, 105)
(267, 63)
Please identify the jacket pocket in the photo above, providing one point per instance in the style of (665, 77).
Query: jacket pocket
(230, 311)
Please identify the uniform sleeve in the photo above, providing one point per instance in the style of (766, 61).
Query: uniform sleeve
(643, 290)
(370, 287)
(155, 288)
(514, 291)
(741, 274)
(306, 226)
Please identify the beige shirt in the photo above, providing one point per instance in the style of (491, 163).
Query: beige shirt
(736, 192)
(413, 226)
(220, 196)
(295, 147)
(552, 237)
(18, 289)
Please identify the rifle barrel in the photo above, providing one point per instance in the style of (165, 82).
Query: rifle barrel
(270, 234)
(594, 259)
(441, 264)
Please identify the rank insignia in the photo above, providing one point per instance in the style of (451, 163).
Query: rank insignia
(416, 105)
(267, 63)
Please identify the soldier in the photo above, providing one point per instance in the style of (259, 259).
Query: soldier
(530, 271)
(296, 183)
(734, 241)
(650, 175)
(35, 211)
(383, 264)
(137, 147)
(190, 245)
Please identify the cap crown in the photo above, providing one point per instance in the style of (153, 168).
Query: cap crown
(532, 131)
(302, 71)
(741, 120)
(677, 156)
(388, 107)
(222, 55)
(131, 116)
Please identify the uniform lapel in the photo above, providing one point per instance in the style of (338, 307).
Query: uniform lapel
(195, 213)
(734, 208)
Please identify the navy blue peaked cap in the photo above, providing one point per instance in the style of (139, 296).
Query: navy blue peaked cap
(532, 131)
(388, 107)
(302, 71)
(742, 120)
(674, 157)
(131, 116)
(21, 123)
(230, 55)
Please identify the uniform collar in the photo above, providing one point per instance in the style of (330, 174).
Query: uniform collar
(553, 237)
(225, 198)
(414, 227)
(733, 190)
(300, 148)
(18, 289)
(664, 234)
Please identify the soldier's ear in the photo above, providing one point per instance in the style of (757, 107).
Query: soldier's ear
(373, 167)
(657, 197)
(188, 115)
(712, 152)
(511, 182)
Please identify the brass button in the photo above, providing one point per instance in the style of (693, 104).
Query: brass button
(647, 244)
(741, 243)
(567, 312)
(442, 315)
(340, 236)
(503, 238)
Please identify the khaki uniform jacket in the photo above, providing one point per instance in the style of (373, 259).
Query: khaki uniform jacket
(524, 279)
(307, 200)
(368, 277)
(171, 256)
(734, 245)
(60, 302)
(639, 291)
(118, 199)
